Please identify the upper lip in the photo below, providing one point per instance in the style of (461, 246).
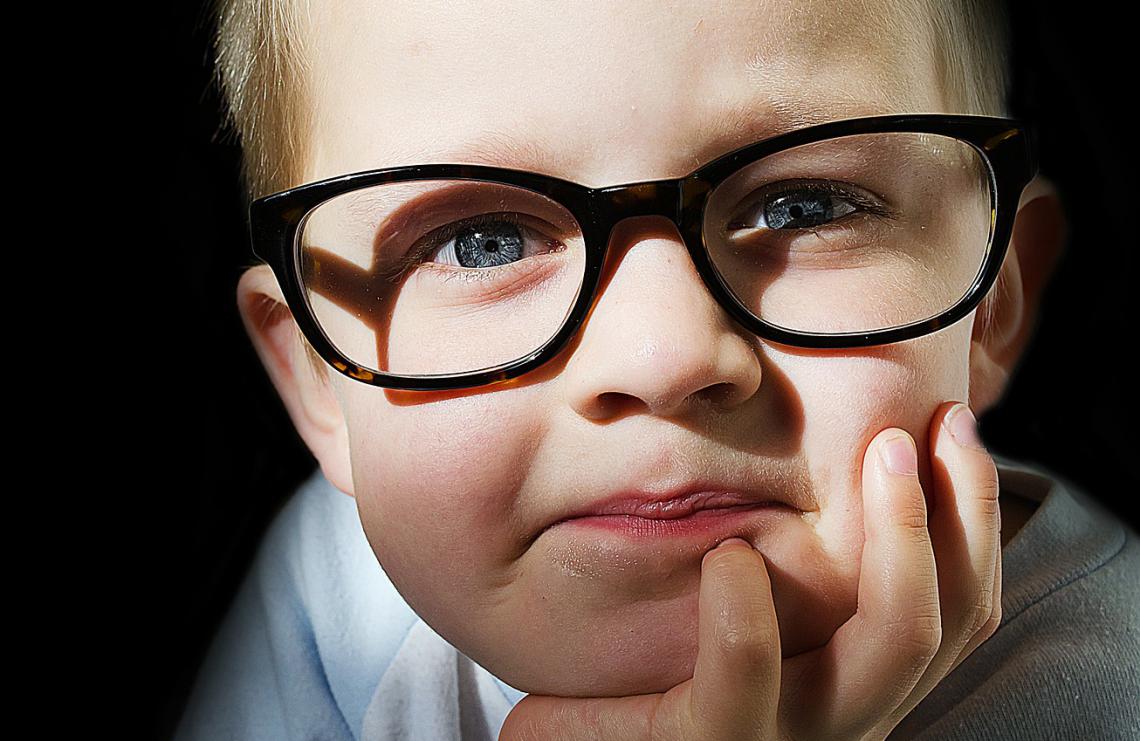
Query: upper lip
(679, 501)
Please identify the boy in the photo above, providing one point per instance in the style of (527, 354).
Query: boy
(885, 593)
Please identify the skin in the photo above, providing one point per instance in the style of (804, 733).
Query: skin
(456, 518)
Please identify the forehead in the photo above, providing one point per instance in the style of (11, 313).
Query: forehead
(599, 92)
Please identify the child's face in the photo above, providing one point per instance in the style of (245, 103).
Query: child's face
(456, 489)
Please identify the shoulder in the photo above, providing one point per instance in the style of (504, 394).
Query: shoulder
(1069, 663)
(1091, 619)
(1064, 661)
(1070, 650)
(315, 559)
(359, 618)
(312, 628)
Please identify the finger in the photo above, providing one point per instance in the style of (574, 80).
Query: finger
(991, 626)
(965, 530)
(736, 679)
(541, 717)
(873, 660)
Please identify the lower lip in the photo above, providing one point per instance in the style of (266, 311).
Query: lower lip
(700, 522)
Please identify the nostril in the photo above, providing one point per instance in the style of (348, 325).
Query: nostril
(721, 394)
(615, 403)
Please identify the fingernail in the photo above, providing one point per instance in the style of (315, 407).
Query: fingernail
(900, 455)
(963, 428)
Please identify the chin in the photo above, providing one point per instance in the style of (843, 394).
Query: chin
(627, 652)
(607, 678)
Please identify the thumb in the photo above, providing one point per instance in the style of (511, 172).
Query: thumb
(736, 680)
(542, 717)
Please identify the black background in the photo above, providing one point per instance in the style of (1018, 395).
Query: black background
(220, 454)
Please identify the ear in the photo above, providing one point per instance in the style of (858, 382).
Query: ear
(1005, 320)
(305, 389)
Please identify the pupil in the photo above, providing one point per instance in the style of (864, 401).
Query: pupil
(801, 209)
(489, 245)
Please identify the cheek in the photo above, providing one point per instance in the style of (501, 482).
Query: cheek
(848, 398)
(435, 483)
(895, 379)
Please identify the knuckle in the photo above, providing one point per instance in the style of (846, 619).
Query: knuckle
(912, 649)
(990, 626)
(743, 638)
(920, 640)
(988, 486)
(911, 516)
(988, 508)
(981, 613)
(987, 496)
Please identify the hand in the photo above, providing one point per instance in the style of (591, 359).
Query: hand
(917, 619)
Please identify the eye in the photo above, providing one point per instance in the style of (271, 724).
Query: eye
(485, 241)
(790, 207)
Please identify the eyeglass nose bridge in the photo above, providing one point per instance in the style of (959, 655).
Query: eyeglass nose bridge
(680, 200)
(614, 203)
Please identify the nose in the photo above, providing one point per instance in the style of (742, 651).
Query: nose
(656, 338)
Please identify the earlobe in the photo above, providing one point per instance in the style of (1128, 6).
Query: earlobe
(306, 391)
(1005, 320)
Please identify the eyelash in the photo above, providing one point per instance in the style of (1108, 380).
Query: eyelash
(448, 232)
(850, 194)
(436, 239)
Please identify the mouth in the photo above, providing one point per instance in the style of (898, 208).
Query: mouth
(698, 521)
(697, 503)
(635, 535)
(670, 508)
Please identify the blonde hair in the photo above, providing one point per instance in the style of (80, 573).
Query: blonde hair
(971, 54)
(262, 69)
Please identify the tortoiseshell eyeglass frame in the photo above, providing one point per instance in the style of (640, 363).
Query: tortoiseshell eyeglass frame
(1006, 144)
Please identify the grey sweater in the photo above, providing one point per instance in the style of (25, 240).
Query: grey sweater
(319, 645)
(1065, 661)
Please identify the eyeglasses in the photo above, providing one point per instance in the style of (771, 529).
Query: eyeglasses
(846, 234)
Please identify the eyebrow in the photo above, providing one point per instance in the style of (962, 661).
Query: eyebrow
(718, 134)
(742, 124)
(495, 148)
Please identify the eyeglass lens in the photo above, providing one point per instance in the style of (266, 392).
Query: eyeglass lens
(851, 234)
